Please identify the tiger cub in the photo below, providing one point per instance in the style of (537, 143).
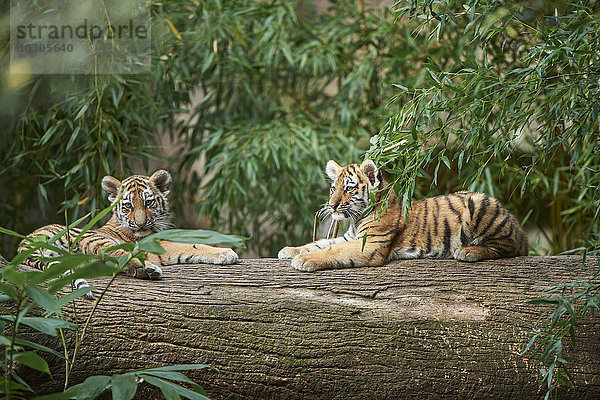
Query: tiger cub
(142, 210)
(465, 226)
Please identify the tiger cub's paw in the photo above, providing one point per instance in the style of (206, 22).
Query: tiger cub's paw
(224, 257)
(469, 253)
(290, 252)
(203, 254)
(149, 271)
(82, 283)
(308, 262)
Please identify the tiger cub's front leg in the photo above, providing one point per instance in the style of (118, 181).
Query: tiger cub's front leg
(291, 252)
(343, 255)
(185, 253)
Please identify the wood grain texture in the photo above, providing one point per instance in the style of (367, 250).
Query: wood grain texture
(410, 329)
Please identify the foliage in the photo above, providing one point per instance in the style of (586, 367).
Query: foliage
(507, 103)
(571, 304)
(509, 106)
(62, 134)
(124, 386)
(280, 90)
(258, 95)
(25, 292)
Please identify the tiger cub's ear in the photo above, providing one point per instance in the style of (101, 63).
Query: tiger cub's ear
(111, 187)
(332, 169)
(369, 168)
(162, 180)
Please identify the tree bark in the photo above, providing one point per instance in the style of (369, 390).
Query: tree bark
(410, 329)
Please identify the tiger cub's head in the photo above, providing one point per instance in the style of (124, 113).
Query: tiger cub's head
(349, 193)
(144, 207)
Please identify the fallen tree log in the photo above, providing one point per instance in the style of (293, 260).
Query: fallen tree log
(410, 329)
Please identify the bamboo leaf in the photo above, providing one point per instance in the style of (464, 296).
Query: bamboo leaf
(173, 29)
(43, 298)
(91, 388)
(123, 387)
(33, 360)
(49, 326)
(171, 389)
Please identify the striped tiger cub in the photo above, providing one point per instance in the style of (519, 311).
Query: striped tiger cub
(465, 226)
(142, 210)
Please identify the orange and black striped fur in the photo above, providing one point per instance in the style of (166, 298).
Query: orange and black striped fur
(142, 210)
(465, 226)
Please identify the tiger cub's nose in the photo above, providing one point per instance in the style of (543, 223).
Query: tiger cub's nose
(140, 220)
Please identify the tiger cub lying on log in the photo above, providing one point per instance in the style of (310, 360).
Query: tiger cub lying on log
(143, 210)
(465, 226)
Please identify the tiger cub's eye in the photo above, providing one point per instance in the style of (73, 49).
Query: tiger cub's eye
(126, 206)
(149, 203)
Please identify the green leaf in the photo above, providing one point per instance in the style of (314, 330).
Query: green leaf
(460, 160)
(124, 259)
(5, 341)
(11, 233)
(73, 137)
(450, 85)
(446, 161)
(32, 360)
(10, 272)
(170, 375)
(97, 218)
(89, 271)
(195, 237)
(9, 290)
(531, 342)
(75, 294)
(64, 231)
(37, 346)
(43, 298)
(91, 388)
(48, 326)
(43, 192)
(435, 80)
(82, 111)
(181, 367)
(123, 386)
(550, 374)
(285, 49)
(169, 388)
(169, 393)
(151, 246)
(547, 301)
(17, 385)
(129, 247)
(61, 265)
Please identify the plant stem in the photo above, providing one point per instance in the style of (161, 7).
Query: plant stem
(67, 362)
(83, 331)
(8, 370)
